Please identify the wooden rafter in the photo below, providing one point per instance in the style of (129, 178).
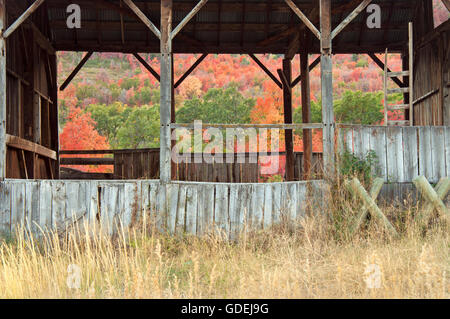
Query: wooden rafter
(147, 66)
(190, 70)
(141, 15)
(22, 18)
(188, 18)
(76, 70)
(350, 18)
(304, 18)
(266, 70)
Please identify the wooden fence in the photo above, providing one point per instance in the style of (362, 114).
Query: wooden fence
(144, 164)
(403, 152)
(194, 208)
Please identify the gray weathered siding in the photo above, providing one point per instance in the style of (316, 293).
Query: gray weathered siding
(194, 208)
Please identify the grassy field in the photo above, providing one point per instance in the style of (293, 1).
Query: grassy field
(314, 259)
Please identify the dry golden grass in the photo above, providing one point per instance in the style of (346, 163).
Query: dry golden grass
(312, 260)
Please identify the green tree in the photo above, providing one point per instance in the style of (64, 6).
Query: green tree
(140, 130)
(316, 113)
(220, 106)
(356, 107)
(109, 118)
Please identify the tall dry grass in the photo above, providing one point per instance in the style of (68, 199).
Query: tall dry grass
(314, 259)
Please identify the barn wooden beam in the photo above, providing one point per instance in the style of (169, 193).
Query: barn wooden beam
(188, 18)
(2, 92)
(381, 65)
(147, 66)
(166, 92)
(310, 68)
(306, 113)
(350, 18)
(22, 18)
(304, 18)
(327, 88)
(266, 70)
(75, 71)
(190, 70)
(141, 15)
(286, 78)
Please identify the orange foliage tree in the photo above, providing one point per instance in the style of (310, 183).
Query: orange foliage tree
(79, 134)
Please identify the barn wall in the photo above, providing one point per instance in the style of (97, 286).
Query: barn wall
(31, 97)
(431, 78)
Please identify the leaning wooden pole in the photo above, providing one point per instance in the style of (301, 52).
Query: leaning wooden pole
(327, 88)
(2, 91)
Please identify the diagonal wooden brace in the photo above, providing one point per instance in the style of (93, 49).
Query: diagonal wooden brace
(434, 196)
(374, 192)
(356, 189)
(141, 15)
(22, 18)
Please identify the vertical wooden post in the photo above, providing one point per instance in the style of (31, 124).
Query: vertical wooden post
(289, 138)
(327, 88)
(306, 112)
(406, 95)
(166, 91)
(165, 111)
(172, 114)
(2, 91)
(411, 73)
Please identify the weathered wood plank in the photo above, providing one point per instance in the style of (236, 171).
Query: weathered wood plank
(221, 217)
(438, 147)
(45, 205)
(181, 210)
(191, 210)
(302, 200)
(410, 154)
(394, 151)
(234, 211)
(5, 208)
(32, 191)
(172, 195)
(425, 153)
(17, 206)
(278, 210)
(268, 199)
(378, 145)
(257, 206)
(208, 216)
(58, 190)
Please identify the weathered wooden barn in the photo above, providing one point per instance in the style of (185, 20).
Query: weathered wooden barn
(181, 199)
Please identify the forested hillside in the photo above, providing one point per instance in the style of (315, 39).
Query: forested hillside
(114, 101)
